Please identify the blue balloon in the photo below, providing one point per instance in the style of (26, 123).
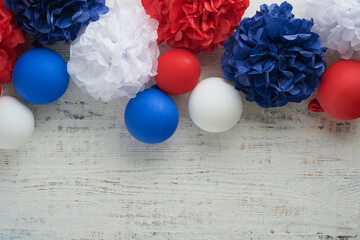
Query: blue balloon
(151, 117)
(40, 76)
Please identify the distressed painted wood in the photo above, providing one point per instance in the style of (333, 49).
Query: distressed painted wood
(280, 174)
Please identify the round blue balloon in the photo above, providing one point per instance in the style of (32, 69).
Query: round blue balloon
(151, 117)
(40, 76)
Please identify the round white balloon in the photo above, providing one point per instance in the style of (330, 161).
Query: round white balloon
(16, 123)
(215, 105)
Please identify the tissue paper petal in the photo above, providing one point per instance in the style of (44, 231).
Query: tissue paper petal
(117, 55)
(57, 20)
(273, 57)
(337, 22)
(11, 40)
(196, 25)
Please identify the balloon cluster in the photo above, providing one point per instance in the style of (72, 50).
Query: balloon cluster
(214, 105)
(40, 75)
(272, 57)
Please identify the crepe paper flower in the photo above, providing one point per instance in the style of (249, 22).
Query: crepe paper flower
(50, 21)
(199, 25)
(338, 24)
(11, 40)
(117, 55)
(274, 58)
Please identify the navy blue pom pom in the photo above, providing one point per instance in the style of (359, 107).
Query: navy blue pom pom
(50, 21)
(274, 58)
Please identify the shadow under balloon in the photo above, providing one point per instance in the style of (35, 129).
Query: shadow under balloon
(329, 126)
(334, 127)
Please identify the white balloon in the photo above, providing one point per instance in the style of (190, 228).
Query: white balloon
(215, 105)
(16, 123)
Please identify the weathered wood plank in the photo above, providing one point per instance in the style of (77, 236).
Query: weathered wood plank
(36, 234)
(279, 174)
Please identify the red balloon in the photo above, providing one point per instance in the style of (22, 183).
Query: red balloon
(339, 91)
(178, 72)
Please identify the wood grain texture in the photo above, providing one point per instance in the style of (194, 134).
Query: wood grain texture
(280, 174)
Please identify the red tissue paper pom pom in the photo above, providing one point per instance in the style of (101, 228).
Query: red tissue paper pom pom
(11, 38)
(197, 25)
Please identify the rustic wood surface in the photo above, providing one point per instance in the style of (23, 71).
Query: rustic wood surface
(280, 174)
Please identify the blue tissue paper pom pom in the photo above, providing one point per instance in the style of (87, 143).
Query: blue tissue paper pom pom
(274, 58)
(50, 21)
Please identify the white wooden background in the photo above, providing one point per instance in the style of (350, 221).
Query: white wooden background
(280, 174)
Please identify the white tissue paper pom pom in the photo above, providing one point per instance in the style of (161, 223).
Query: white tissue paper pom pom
(117, 55)
(338, 24)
